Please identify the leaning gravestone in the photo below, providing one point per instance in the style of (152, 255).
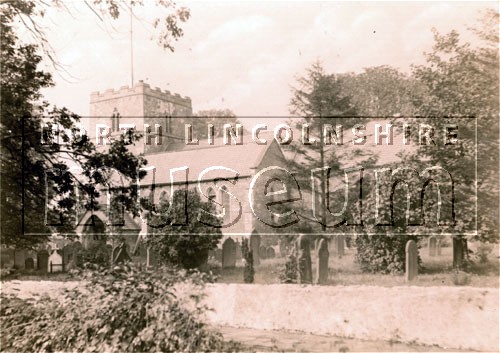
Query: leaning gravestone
(340, 245)
(322, 262)
(228, 253)
(432, 246)
(304, 271)
(120, 254)
(411, 261)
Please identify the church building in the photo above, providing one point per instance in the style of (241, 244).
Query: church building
(155, 112)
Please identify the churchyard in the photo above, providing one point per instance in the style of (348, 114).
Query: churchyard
(343, 270)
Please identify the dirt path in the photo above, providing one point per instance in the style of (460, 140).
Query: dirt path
(283, 341)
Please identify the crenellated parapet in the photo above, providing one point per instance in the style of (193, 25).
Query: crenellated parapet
(140, 88)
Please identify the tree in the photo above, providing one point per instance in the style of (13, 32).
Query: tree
(319, 99)
(185, 245)
(382, 91)
(462, 81)
(37, 161)
(216, 117)
(166, 26)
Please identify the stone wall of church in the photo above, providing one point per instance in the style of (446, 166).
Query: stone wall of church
(247, 222)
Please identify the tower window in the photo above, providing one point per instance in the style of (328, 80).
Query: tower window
(115, 120)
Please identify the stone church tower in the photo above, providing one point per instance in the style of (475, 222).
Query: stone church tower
(140, 105)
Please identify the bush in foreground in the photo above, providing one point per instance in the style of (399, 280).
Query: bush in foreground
(121, 309)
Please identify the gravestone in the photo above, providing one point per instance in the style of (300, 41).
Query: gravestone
(55, 261)
(255, 246)
(340, 242)
(459, 247)
(322, 262)
(228, 253)
(304, 271)
(239, 254)
(270, 253)
(263, 252)
(281, 248)
(29, 263)
(411, 261)
(43, 260)
(438, 247)
(332, 244)
(120, 254)
(218, 255)
(316, 242)
(67, 253)
(432, 244)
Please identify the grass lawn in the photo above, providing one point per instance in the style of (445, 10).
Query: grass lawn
(436, 271)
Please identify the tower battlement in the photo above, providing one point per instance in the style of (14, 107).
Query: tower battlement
(140, 88)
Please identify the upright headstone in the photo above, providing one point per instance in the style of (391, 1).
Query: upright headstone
(432, 244)
(316, 242)
(459, 246)
(332, 244)
(218, 255)
(42, 260)
(239, 253)
(304, 271)
(270, 253)
(67, 256)
(29, 263)
(438, 247)
(255, 246)
(55, 261)
(322, 262)
(411, 260)
(229, 253)
(340, 245)
(263, 252)
(281, 248)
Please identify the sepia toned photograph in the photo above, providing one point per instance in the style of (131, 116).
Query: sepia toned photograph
(249, 176)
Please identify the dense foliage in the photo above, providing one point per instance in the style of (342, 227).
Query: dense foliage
(123, 309)
(195, 231)
(382, 253)
(40, 149)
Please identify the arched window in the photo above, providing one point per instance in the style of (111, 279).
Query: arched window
(226, 202)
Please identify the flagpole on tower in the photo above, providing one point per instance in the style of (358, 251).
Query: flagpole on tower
(131, 48)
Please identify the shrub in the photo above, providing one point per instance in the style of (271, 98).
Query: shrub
(288, 273)
(98, 253)
(185, 245)
(483, 251)
(248, 272)
(119, 309)
(382, 253)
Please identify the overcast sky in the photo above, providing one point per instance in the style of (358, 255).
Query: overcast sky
(245, 55)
